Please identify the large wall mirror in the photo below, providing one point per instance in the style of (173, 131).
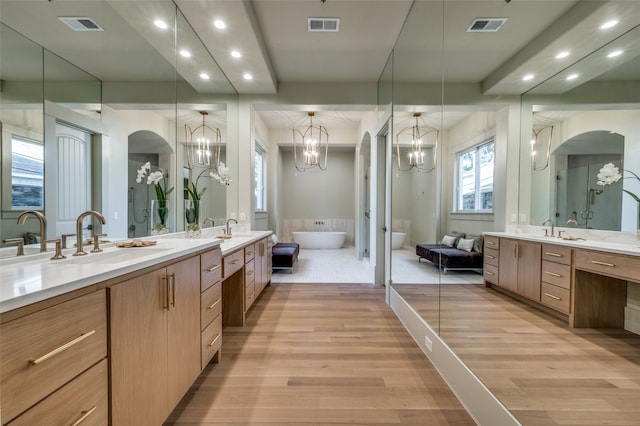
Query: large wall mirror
(124, 113)
(583, 123)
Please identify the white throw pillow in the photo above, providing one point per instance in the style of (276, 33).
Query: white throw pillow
(274, 239)
(465, 244)
(448, 240)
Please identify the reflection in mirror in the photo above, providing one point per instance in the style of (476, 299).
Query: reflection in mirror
(582, 143)
(21, 135)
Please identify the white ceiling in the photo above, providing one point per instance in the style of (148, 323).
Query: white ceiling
(276, 47)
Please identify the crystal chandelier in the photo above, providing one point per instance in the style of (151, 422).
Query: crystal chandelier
(200, 142)
(416, 140)
(310, 146)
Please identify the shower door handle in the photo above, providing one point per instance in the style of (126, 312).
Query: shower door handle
(384, 228)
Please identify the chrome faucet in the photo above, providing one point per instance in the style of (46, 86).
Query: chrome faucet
(79, 249)
(228, 232)
(552, 226)
(43, 226)
(209, 219)
(575, 222)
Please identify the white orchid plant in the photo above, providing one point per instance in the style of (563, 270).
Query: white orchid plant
(610, 174)
(222, 174)
(162, 193)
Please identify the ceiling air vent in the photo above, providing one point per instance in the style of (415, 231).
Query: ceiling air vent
(486, 25)
(80, 23)
(323, 24)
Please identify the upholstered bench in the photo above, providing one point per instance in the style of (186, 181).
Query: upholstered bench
(285, 255)
(450, 257)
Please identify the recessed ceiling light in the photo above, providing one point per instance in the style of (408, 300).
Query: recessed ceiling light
(562, 54)
(614, 54)
(160, 24)
(185, 53)
(247, 76)
(573, 76)
(609, 24)
(236, 54)
(219, 24)
(204, 76)
(528, 77)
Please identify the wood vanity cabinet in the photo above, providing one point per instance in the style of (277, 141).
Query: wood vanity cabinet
(556, 277)
(520, 267)
(491, 259)
(155, 337)
(48, 355)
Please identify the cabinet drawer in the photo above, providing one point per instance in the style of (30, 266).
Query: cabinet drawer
(554, 253)
(491, 242)
(42, 351)
(249, 252)
(491, 256)
(614, 265)
(81, 401)
(491, 274)
(210, 304)
(232, 263)
(557, 274)
(211, 268)
(555, 297)
(249, 296)
(249, 271)
(211, 340)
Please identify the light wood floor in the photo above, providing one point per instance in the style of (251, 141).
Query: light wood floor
(320, 354)
(544, 372)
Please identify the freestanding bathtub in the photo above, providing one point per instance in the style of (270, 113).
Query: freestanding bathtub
(319, 240)
(397, 240)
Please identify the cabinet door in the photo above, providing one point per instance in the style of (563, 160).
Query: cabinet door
(529, 261)
(138, 351)
(508, 272)
(183, 333)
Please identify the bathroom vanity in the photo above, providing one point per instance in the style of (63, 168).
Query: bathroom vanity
(584, 282)
(119, 337)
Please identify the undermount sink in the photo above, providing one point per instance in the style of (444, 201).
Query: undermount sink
(115, 256)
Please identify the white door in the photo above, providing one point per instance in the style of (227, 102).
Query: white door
(72, 192)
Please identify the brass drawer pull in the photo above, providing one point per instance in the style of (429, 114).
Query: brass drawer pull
(213, 268)
(214, 304)
(249, 272)
(214, 340)
(61, 348)
(548, 253)
(553, 274)
(597, 262)
(491, 243)
(489, 273)
(85, 414)
(249, 253)
(235, 261)
(552, 296)
(491, 257)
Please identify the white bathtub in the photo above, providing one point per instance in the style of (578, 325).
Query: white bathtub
(397, 240)
(319, 240)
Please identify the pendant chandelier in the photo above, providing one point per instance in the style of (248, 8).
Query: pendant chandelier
(310, 146)
(203, 143)
(416, 140)
(541, 135)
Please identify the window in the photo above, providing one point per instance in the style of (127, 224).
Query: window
(475, 178)
(260, 178)
(27, 173)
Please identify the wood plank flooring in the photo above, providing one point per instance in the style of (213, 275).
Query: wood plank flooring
(543, 371)
(320, 354)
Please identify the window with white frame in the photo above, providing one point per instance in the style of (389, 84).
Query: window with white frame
(260, 178)
(475, 178)
(27, 173)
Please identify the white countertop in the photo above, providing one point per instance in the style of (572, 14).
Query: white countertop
(31, 279)
(604, 246)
